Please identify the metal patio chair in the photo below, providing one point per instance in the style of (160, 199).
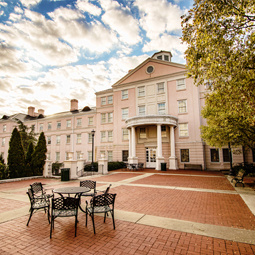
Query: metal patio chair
(101, 204)
(64, 207)
(89, 184)
(38, 203)
(38, 190)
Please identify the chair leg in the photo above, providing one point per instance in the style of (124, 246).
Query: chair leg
(51, 226)
(49, 214)
(31, 212)
(92, 217)
(86, 217)
(76, 220)
(105, 216)
(113, 220)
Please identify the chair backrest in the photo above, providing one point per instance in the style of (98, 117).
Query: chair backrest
(107, 189)
(89, 184)
(65, 203)
(103, 200)
(36, 187)
(30, 195)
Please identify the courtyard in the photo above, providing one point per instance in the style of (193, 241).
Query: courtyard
(156, 212)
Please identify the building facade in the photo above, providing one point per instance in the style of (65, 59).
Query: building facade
(152, 115)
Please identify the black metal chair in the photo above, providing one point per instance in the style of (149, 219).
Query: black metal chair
(38, 190)
(64, 207)
(37, 203)
(89, 184)
(101, 204)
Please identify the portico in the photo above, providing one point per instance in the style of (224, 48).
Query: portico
(153, 147)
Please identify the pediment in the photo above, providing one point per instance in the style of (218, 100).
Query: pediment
(144, 71)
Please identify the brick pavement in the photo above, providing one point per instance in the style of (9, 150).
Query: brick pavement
(219, 208)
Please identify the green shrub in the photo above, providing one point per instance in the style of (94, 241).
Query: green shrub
(116, 165)
(87, 168)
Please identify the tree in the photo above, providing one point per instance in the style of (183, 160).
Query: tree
(220, 37)
(39, 155)
(27, 135)
(16, 157)
(28, 160)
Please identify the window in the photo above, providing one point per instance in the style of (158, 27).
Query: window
(125, 134)
(110, 136)
(3, 141)
(4, 128)
(49, 140)
(78, 155)
(48, 156)
(125, 156)
(78, 122)
(161, 87)
(184, 155)
(90, 120)
(41, 127)
(215, 155)
(142, 133)
(181, 84)
(58, 139)
(78, 138)
(166, 57)
(68, 138)
(57, 156)
(183, 129)
(103, 118)
(110, 99)
(141, 110)
(67, 158)
(68, 123)
(159, 57)
(225, 153)
(49, 126)
(90, 138)
(103, 136)
(182, 106)
(162, 108)
(163, 131)
(150, 69)
(124, 94)
(89, 156)
(103, 100)
(59, 125)
(124, 113)
(110, 157)
(141, 91)
(110, 117)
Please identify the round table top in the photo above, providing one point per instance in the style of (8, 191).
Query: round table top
(71, 190)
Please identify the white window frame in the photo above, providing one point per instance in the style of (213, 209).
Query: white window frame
(110, 156)
(110, 99)
(141, 110)
(78, 140)
(3, 141)
(160, 87)
(141, 91)
(49, 125)
(89, 138)
(57, 156)
(110, 136)
(89, 156)
(79, 122)
(125, 135)
(183, 130)
(68, 139)
(48, 140)
(41, 127)
(4, 128)
(59, 125)
(103, 100)
(48, 156)
(90, 121)
(68, 124)
(103, 136)
(103, 118)
(180, 84)
(58, 139)
(182, 106)
(142, 133)
(124, 113)
(110, 117)
(124, 94)
(161, 109)
(78, 155)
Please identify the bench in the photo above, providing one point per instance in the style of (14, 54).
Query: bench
(239, 177)
(192, 167)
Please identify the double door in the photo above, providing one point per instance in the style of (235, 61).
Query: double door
(151, 157)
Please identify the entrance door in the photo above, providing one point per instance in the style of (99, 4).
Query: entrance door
(151, 157)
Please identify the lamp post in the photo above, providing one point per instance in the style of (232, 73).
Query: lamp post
(92, 163)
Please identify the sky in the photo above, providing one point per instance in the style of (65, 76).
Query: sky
(52, 51)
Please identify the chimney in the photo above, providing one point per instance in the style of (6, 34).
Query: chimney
(74, 105)
(31, 111)
(40, 111)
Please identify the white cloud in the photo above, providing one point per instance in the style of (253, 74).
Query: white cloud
(85, 6)
(158, 17)
(28, 3)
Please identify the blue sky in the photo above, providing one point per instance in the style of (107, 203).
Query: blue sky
(52, 51)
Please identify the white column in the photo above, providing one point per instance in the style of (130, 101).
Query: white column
(133, 142)
(159, 141)
(172, 158)
(130, 154)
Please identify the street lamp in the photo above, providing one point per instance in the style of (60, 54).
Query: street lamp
(92, 163)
